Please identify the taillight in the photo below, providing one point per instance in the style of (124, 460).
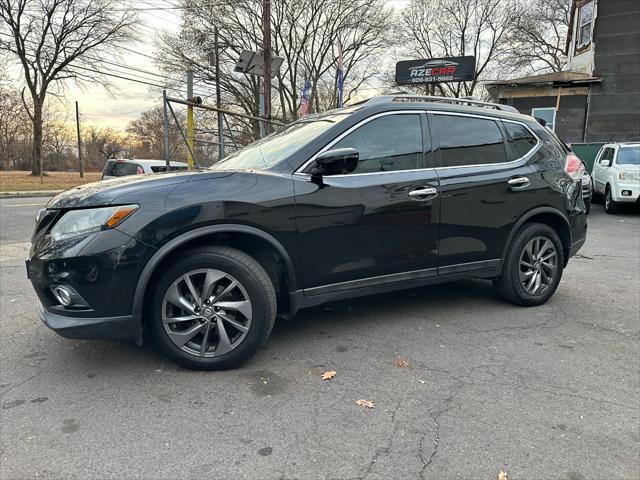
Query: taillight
(574, 166)
(139, 170)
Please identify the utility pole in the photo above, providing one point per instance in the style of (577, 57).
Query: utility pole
(190, 127)
(219, 98)
(266, 52)
(165, 131)
(79, 141)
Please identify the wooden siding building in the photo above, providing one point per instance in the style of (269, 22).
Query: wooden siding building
(597, 98)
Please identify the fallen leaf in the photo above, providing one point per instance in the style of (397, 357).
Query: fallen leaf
(328, 375)
(502, 475)
(402, 362)
(366, 403)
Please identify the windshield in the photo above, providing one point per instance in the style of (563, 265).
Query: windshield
(279, 145)
(629, 155)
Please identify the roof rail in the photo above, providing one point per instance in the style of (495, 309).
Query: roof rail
(407, 97)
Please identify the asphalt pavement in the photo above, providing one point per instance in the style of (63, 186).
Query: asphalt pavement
(550, 392)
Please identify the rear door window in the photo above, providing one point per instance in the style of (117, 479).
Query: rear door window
(469, 141)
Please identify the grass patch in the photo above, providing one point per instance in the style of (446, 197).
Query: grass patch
(18, 181)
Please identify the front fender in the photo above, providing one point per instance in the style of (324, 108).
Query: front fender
(167, 248)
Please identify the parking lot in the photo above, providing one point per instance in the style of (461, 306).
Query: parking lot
(481, 386)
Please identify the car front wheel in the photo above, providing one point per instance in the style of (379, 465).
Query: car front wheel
(609, 205)
(213, 308)
(532, 267)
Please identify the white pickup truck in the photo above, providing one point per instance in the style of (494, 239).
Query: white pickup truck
(616, 174)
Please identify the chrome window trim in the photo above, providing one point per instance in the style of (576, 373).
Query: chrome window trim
(523, 158)
(299, 171)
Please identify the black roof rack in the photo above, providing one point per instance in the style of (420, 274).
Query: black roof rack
(409, 97)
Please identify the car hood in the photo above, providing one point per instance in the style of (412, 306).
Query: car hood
(106, 192)
(629, 168)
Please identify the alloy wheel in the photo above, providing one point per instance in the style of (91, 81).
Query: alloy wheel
(206, 312)
(538, 265)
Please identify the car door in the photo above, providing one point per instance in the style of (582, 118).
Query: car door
(377, 224)
(600, 172)
(485, 187)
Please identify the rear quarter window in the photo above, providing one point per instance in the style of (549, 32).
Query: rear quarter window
(109, 168)
(115, 168)
(520, 138)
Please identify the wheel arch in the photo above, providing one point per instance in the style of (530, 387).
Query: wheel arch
(241, 236)
(549, 216)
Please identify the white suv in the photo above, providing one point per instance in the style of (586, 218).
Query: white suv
(120, 167)
(616, 174)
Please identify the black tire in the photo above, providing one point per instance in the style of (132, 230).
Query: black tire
(610, 206)
(509, 284)
(254, 281)
(587, 206)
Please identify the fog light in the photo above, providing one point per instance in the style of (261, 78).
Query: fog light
(63, 296)
(626, 193)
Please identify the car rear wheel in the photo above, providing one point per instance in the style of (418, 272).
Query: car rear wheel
(213, 308)
(609, 205)
(533, 266)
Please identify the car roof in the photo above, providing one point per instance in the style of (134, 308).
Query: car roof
(147, 161)
(404, 100)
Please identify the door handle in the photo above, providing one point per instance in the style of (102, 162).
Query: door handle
(421, 193)
(518, 181)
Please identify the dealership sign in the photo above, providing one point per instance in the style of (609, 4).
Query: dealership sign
(451, 69)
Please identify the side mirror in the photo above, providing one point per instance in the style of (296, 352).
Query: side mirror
(335, 162)
(605, 163)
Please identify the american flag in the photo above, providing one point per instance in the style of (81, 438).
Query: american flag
(340, 73)
(304, 103)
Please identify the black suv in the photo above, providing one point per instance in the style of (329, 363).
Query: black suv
(396, 192)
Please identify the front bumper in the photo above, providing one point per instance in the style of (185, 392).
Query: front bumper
(97, 328)
(632, 190)
(102, 269)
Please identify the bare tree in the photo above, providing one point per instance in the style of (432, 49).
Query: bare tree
(100, 144)
(537, 41)
(451, 28)
(57, 144)
(148, 129)
(304, 33)
(51, 39)
(15, 139)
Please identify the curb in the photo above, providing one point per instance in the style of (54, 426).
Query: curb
(30, 193)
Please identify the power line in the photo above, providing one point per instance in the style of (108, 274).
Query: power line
(139, 78)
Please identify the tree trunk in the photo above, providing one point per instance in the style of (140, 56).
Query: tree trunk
(36, 152)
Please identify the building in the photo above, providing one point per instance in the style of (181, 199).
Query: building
(597, 98)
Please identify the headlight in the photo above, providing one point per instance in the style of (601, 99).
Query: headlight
(629, 176)
(81, 222)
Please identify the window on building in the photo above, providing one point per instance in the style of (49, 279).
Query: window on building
(546, 114)
(469, 141)
(584, 25)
